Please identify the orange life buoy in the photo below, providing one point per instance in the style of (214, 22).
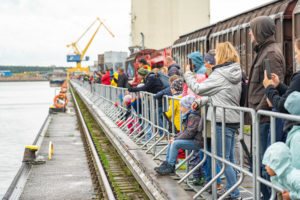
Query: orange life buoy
(60, 96)
(63, 90)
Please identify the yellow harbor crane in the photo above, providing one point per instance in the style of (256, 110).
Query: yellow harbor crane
(78, 56)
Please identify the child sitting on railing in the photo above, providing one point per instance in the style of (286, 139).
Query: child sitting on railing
(278, 162)
(189, 139)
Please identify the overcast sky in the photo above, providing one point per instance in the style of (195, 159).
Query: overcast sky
(36, 32)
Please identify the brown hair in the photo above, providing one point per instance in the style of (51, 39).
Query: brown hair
(225, 52)
(173, 78)
(297, 43)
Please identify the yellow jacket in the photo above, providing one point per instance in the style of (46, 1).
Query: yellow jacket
(176, 113)
(113, 82)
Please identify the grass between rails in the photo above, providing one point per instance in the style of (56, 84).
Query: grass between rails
(103, 146)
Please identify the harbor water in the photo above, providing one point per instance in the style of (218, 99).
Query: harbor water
(23, 109)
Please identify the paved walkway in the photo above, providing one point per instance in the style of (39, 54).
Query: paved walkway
(67, 175)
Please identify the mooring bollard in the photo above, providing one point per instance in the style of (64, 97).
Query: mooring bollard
(29, 153)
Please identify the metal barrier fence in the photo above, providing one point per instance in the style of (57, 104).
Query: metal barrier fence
(143, 127)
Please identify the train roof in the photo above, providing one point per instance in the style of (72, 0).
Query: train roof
(274, 9)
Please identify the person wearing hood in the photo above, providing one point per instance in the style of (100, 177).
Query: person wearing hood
(173, 68)
(262, 30)
(278, 162)
(222, 87)
(189, 139)
(293, 139)
(197, 62)
(277, 92)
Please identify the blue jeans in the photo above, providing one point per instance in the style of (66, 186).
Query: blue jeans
(263, 138)
(207, 163)
(173, 148)
(230, 173)
(160, 120)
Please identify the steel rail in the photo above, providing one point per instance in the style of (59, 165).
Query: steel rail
(108, 190)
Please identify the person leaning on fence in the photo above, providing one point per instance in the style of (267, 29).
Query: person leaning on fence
(176, 89)
(277, 92)
(293, 138)
(278, 162)
(143, 64)
(189, 139)
(262, 30)
(222, 87)
(152, 83)
(165, 92)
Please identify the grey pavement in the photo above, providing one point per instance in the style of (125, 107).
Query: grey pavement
(67, 175)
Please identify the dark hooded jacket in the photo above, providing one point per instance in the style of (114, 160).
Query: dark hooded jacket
(263, 29)
(152, 84)
(192, 127)
(173, 69)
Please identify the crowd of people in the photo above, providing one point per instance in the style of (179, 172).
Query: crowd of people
(217, 78)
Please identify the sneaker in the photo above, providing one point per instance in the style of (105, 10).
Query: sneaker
(166, 170)
(199, 181)
(161, 165)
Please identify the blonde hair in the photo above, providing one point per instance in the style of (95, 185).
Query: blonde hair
(155, 70)
(225, 52)
(164, 70)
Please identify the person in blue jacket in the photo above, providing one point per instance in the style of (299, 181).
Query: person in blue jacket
(278, 162)
(293, 139)
(197, 62)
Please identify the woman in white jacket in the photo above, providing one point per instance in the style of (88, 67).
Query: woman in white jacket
(222, 87)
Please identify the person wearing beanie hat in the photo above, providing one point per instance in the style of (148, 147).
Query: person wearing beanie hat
(143, 64)
(197, 62)
(189, 139)
(209, 61)
(176, 89)
(143, 72)
(187, 101)
(176, 86)
(151, 81)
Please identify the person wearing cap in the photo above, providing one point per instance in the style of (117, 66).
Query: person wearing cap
(189, 139)
(152, 83)
(197, 62)
(143, 64)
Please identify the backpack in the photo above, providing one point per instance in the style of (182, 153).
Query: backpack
(244, 90)
(165, 80)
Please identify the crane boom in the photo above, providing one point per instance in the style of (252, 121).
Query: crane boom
(79, 56)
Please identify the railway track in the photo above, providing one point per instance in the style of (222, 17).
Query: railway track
(111, 177)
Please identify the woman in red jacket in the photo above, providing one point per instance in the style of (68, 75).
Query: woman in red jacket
(105, 80)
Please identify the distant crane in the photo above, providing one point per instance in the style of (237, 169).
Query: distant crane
(79, 56)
